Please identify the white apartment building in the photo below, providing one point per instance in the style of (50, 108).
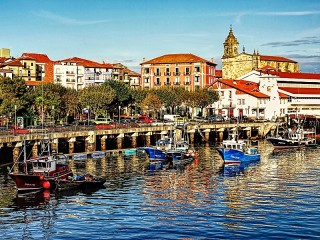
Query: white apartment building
(78, 73)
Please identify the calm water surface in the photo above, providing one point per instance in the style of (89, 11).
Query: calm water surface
(276, 198)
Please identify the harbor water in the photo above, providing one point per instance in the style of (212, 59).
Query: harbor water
(275, 198)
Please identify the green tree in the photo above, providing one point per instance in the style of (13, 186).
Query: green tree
(170, 96)
(13, 96)
(97, 98)
(137, 96)
(151, 104)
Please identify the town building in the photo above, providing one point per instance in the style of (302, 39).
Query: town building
(236, 64)
(186, 70)
(268, 94)
(24, 67)
(44, 66)
(78, 73)
(302, 89)
(133, 79)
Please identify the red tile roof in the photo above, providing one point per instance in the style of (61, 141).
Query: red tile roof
(301, 90)
(86, 63)
(282, 95)
(41, 58)
(243, 86)
(292, 75)
(276, 58)
(11, 62)
(177, 58)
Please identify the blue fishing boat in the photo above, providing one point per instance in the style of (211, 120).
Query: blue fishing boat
(130, 151)
(235, 150)
(98, 154)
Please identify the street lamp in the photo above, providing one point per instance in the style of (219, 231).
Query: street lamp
(52, 115)
(88, 115)
(15, 116)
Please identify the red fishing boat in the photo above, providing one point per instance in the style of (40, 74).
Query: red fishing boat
(43, 172)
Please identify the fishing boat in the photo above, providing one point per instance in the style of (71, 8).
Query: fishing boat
(98, 154)
(130, 152)
(48, 171)
(79, 156)
(234, 150)
(42, 172)
(295, 137)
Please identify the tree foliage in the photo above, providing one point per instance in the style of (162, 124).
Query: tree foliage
(96, 98)
(151, 104)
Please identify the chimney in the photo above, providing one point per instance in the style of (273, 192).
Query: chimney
(212, 60)
(143, 59)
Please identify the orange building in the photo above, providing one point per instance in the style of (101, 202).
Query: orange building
(186, 70)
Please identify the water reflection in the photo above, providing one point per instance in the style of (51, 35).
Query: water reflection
(202, 199)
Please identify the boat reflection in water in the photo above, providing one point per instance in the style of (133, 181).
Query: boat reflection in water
(44, 197)
(235, 169)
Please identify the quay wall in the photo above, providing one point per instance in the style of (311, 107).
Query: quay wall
(75, 140)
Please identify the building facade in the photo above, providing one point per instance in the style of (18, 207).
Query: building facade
(186, 70)
(235, 64)
(302, 90)
(78, 73)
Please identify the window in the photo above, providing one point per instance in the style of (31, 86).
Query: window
(230, 94)
(158, 71)
(168, 81)
(177, 71)
(158, 81)
(146, 70)
(196, 79)
(187, 71)
(146, 80)
(197, 69)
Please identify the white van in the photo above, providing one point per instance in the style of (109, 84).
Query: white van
(170, 117)
(103, 121)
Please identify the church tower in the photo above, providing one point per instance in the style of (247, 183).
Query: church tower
(231, 45)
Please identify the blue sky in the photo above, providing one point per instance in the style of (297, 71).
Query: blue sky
(127, 31)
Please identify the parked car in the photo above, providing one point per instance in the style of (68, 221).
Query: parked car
(106, 126)
(215, 118)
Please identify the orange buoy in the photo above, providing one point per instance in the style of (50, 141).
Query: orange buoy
(46, 184)
(46, 194)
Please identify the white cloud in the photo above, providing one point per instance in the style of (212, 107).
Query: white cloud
(66, 21)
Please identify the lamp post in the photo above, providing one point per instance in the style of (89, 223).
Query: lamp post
(88, 115)
(52, 115)
(15, 116)
(119, 112)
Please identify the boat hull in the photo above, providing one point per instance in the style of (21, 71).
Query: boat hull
(280, 143)
(237, 156)
(154, 154)
(27, 182)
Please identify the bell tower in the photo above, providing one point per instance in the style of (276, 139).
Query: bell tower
(231, 45)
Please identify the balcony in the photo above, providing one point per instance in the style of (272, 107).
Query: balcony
(177, 83)
(177, 74)
(70, 72)
(157, 83)
(157, 74)
(167, 83)
(187, 83)
(186, 73)
(167, 73)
